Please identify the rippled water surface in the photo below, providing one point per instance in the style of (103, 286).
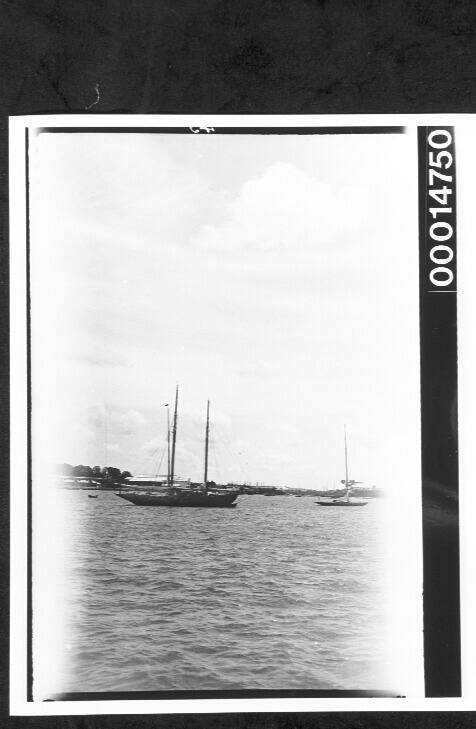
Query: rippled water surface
(276, 593)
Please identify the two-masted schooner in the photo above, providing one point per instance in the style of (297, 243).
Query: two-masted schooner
(348, 483)
(179, 493)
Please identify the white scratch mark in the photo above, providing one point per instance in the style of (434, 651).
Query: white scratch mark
(196, 130)
(97, 99)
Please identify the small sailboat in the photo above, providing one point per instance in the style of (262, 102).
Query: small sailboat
(345, 500)
(179, 493)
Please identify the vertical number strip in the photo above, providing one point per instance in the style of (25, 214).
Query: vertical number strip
(440, 209)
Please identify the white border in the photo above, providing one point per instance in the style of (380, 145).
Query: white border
(18, 703)
(18, 409)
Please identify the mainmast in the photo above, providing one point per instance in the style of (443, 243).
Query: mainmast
(346, 466)
(174, 437)
(207, 431)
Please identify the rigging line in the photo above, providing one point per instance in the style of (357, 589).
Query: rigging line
(161, 449)
(152, 456)
(149, 459)
(157, 472)
(219, 476)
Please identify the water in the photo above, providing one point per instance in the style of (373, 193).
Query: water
(276, 593)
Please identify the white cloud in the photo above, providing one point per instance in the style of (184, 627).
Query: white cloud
(101, 356)
(153, 445)
(286, 208)
(113, 448)
(126, 190)
(129, 421)
(114, 420)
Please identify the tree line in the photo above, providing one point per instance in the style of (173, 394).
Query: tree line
(104, 473)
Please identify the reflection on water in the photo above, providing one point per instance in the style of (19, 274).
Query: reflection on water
(276, 593)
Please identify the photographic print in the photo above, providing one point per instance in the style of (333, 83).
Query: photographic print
(220, 473)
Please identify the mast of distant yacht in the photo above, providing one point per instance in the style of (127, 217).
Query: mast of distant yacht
(346, 466)
(168, 446)
(207, 431)
(174, 437)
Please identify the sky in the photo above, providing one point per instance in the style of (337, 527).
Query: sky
(275, 276)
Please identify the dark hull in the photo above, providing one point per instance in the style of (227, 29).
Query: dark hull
(208, 500)
(341, 503)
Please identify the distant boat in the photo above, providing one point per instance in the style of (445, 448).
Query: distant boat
(345, 500)
(178, 493)
(92, 496)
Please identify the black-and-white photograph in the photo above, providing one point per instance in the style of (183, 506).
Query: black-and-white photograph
(225, 423)
(225, 438)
